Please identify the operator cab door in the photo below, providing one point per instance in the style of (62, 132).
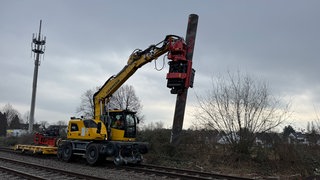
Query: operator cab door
(131, 124)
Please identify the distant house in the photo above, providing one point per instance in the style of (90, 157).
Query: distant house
(16, 132)
(264, 139)
(22, 130)
(258, 141)
(297, 138)
(225, 139)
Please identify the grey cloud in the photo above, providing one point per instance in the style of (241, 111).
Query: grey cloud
(89, 41)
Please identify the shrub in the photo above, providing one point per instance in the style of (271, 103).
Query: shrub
(8, 141)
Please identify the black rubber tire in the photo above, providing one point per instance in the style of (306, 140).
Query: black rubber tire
(92, 154)
(67, 152)
(111, 149)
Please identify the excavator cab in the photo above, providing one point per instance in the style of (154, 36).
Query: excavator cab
(123, 125)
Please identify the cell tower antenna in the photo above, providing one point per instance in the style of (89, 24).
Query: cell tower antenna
(38, 48)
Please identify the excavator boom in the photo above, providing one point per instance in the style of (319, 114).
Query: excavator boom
(136, 60)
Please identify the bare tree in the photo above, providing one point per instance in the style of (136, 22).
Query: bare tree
(86, 108)
(25, 117)
(124, 98)
(10, 112)
(317, 120)
(61, 123)
(15, 123)
(240, 107)
(44, 124)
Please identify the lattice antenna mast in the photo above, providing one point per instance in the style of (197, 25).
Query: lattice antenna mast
(38, 48)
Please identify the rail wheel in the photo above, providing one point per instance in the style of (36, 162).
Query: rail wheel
(118, 161)
(139, 159)
(92, 154)
(66, 154)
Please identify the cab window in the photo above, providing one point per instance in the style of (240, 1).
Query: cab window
(130, 120)
(88, 123)
(117, 121)
(74, 127)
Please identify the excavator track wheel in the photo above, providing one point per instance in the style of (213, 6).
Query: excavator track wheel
(66, 154)
(110, 149)
(92, 154)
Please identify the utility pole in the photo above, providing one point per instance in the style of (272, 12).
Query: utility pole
(182, 96)
(38, 48)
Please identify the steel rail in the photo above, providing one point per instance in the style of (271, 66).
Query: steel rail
(169, 171)
(181, 173)
(50, 170)
(21, 174)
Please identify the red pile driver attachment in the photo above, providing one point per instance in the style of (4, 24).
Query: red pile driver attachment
(180, 74)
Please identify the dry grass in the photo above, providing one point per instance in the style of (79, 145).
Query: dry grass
(282, 160)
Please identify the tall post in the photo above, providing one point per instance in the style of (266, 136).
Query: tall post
(182, 96)
(38, 48)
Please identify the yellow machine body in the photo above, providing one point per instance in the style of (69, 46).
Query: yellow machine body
(88, 129)
(85, 130)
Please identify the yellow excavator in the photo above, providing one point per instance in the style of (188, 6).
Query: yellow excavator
(112, 133)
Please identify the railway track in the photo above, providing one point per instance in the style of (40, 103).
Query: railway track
(24, 170)
(150, 170)
(180, 173)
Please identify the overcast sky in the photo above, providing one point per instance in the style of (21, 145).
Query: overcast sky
(88, 41)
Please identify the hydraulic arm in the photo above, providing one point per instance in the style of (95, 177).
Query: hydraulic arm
(180, 74)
